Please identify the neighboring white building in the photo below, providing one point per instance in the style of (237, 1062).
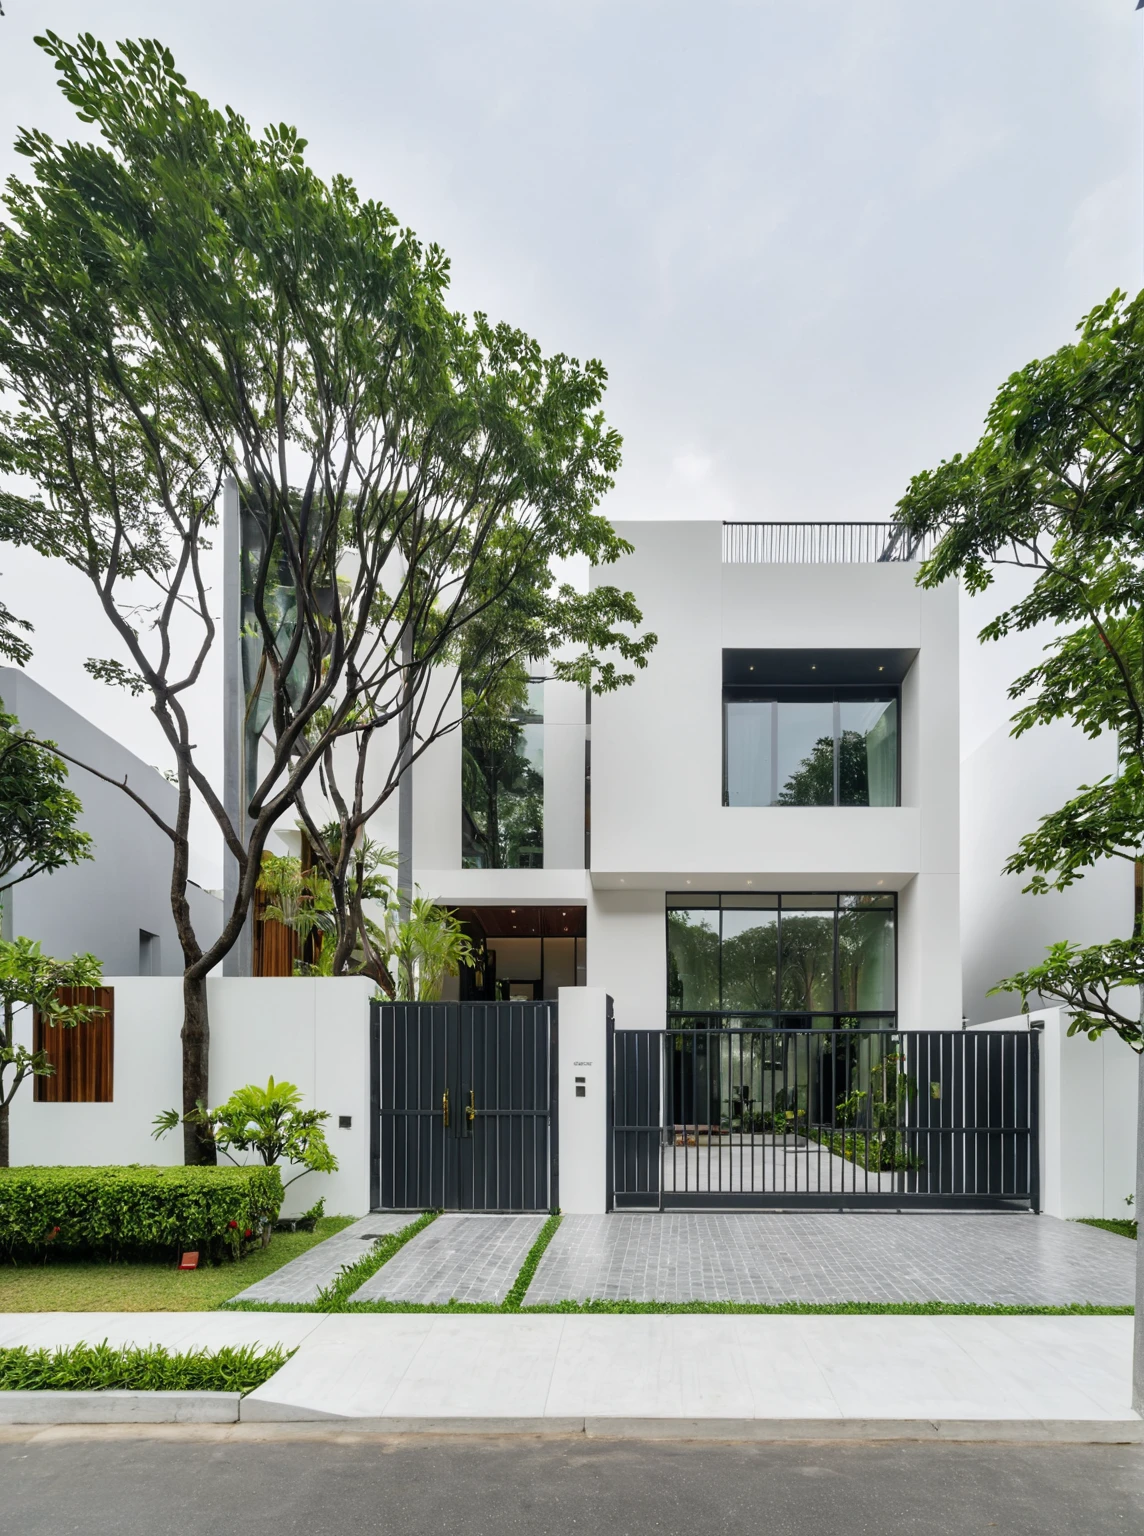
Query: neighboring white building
(794, 669)
(1007, 785)
(116, 905)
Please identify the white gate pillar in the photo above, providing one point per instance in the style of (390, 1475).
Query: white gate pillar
(583, 1130)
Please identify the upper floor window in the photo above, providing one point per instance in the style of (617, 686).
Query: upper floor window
(793, 735)
(502, 785)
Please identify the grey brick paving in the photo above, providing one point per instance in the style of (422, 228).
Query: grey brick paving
(457, 1258)
(312, 1271)
(854, 1256)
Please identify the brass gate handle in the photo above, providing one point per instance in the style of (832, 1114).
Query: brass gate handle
(445, 1105)
(472, 1109)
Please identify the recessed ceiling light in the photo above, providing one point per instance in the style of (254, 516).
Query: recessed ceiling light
(813, 667)
(750, 669)
(881, 669)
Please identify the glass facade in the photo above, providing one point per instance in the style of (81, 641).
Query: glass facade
(502, 787)
(810, 746)
(819, 961)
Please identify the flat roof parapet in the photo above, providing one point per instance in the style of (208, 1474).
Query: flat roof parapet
(821, 544)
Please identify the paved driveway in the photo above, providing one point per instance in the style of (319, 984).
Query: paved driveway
(853, 1256)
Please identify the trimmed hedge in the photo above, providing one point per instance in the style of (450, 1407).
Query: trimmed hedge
(110, 1211)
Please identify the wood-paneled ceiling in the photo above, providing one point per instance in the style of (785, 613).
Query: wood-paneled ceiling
(525, 922)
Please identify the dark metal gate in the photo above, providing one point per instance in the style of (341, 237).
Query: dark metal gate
(464, 1106)
(759, 1118)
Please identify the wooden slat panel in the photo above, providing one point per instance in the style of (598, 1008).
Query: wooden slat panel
(83, 1056)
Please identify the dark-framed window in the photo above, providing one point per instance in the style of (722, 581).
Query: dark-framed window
(820, 745)
(502, 785)
(790, 959)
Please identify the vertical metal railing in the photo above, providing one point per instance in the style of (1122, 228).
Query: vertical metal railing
(822, 544)
(718, 1116)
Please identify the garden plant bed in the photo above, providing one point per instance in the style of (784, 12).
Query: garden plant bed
(99, 1384)
(62, 1284)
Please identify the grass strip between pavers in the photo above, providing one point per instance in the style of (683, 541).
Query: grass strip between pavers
(519, 1288)
(102, 1368)
(602, 1308)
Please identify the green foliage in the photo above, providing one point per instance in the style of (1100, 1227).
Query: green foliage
(185, 301)
(1125, 1228)
(1055, 485)
(514, 1300)
(502, 779)
(269, 1121)
(135, 1209)
(427, 946)
(878, 1140)
(38, 811)
(102, 1368)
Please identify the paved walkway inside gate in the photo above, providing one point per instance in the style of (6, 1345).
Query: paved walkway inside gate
(456, 1258)
(1002, 1259)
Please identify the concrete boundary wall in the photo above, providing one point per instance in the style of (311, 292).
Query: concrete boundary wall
(310, 1031)
(1088, 1118)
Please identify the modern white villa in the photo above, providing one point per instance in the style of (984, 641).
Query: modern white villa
(784, 770)
(748, 864)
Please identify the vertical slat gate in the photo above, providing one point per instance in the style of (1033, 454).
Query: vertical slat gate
(465, 1106)
(742, 1118)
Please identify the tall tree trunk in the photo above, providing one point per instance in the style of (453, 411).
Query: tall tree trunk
(198, 1147)
(1138, 1331)
(6, 1034)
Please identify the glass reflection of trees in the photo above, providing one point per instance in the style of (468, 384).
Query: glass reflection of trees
(795, 956)
(502, 785)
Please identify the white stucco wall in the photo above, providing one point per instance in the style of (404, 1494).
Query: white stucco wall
(311, 1032)
(582, 1052)
(658, 821)
(1088, 1118)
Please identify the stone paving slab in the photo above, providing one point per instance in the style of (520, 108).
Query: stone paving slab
(457, 1258)
(1002, 1259)
(304, 1277)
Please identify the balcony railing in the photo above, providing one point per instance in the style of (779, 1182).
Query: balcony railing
(821, 544)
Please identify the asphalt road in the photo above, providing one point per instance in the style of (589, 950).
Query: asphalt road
(499, 1487)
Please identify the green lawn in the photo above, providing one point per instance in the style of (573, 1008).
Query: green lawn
(86, 1286)
(1121, 1228)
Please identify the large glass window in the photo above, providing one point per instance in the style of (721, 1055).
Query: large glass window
(502, 786)
(798, 746)
(793, 959)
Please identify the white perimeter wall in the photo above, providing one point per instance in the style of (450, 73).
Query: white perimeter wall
(1088, 1119)
(310, 1031)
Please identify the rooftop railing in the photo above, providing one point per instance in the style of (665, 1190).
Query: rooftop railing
(821, 544)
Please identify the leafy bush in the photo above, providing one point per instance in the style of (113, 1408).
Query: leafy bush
(115, 1210)
(100, 1368)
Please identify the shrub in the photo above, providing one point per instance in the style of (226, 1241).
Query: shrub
(111, 1211)
(100, 1368)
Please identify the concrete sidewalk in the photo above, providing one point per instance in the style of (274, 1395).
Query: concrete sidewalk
(676, 1375)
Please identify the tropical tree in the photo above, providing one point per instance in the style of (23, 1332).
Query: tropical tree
(38, 812)
(184, 304)
(31, 979)
(1056, 486)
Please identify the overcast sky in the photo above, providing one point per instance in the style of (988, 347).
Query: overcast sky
(807, 238)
